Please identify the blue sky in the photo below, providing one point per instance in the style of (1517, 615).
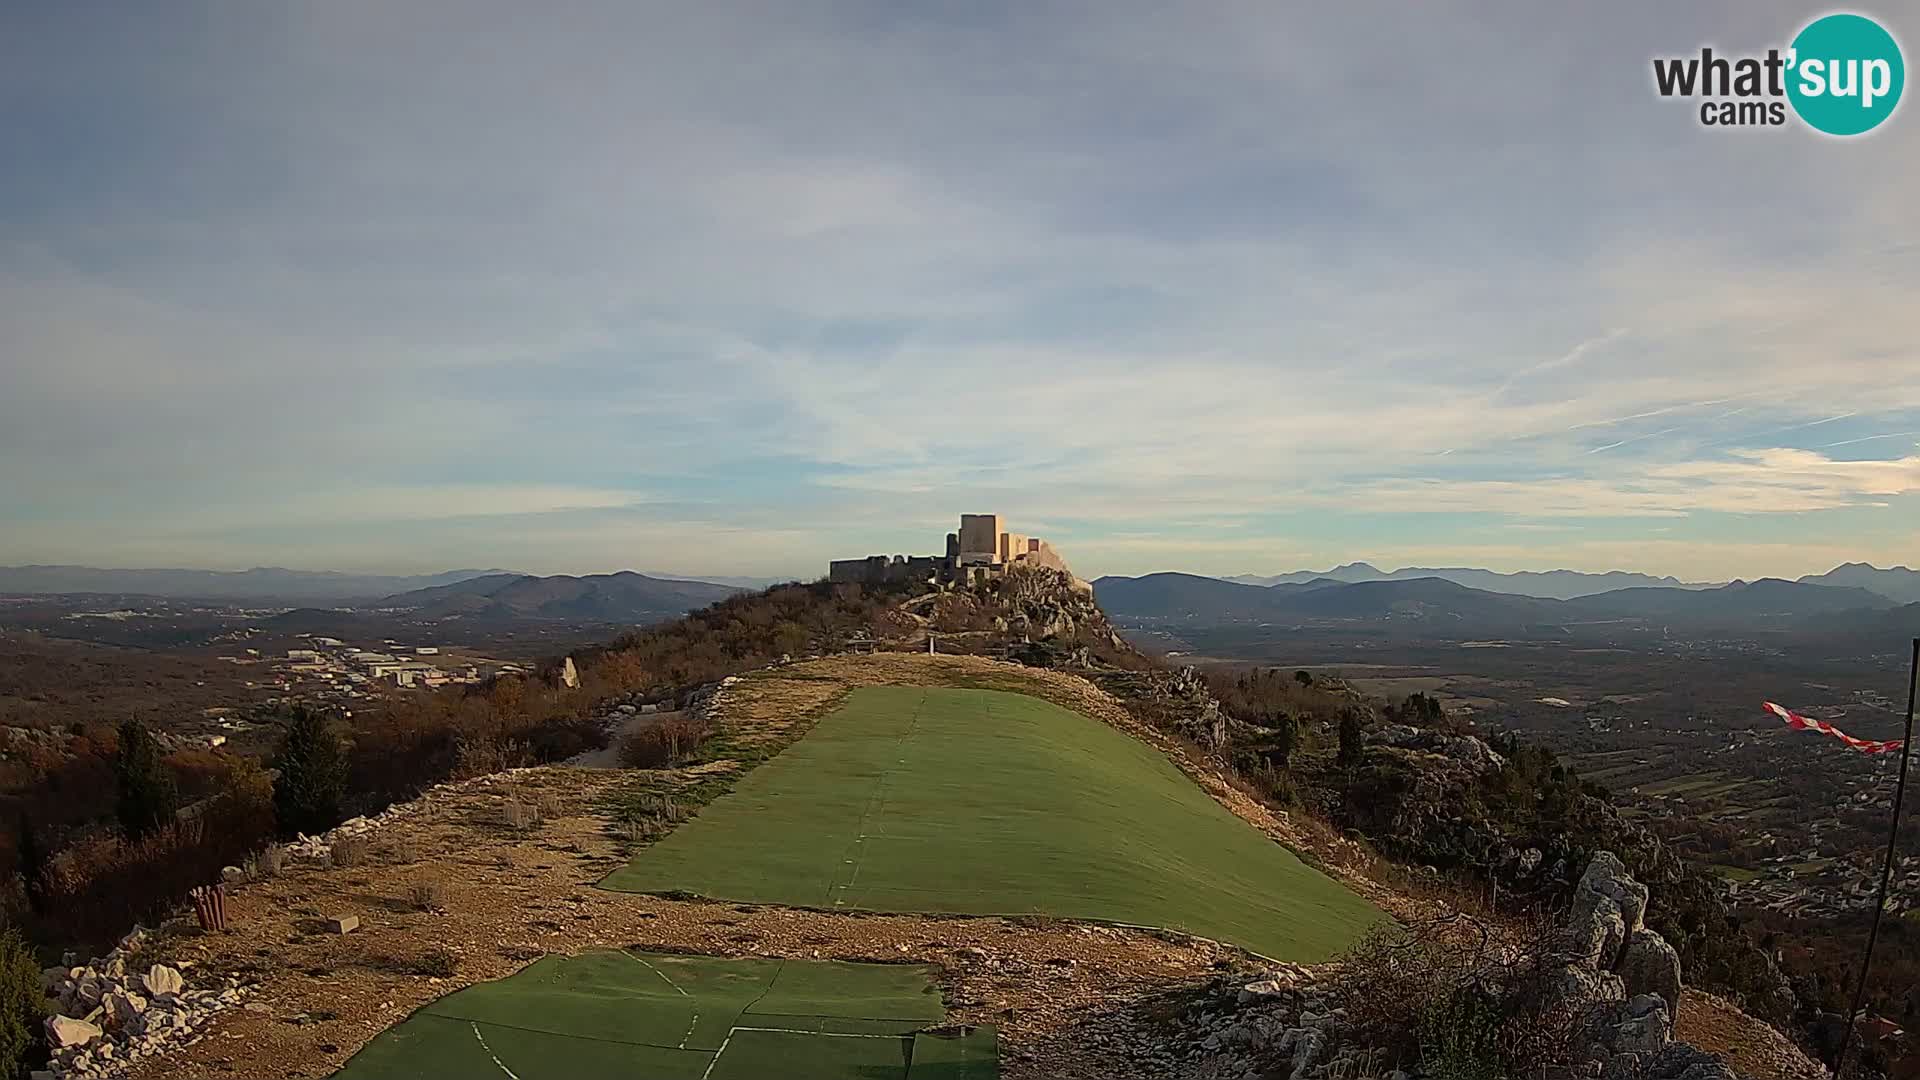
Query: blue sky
(736, 288)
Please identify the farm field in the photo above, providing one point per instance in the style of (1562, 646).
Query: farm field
(991, 803)
(656, 1016)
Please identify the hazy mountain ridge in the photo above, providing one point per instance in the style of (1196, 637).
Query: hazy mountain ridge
(1544, 584)
(1895, 583)
(260, 583)
(621, 597)
(1446, 603)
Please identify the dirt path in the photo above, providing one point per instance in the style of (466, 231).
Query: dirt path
(608, 757)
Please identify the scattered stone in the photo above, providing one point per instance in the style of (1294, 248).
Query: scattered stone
(162, 981)
(343, 924)
(65, 1031)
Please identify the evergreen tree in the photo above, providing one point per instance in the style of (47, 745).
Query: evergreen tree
(147, 796)
(33, 864)
(23, 1007)
(313, 774)
(1350, 739)
(1286, 735)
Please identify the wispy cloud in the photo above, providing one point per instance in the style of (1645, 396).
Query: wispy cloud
(317, 283)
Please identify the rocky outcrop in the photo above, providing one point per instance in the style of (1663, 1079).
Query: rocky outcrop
(1469, 750)
(1649, 965)
(1620, 978)
(1175, 701)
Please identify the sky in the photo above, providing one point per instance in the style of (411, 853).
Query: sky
(736, 288)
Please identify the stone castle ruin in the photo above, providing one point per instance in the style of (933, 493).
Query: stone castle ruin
(982, 549)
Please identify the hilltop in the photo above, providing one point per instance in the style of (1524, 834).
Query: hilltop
(720, 712)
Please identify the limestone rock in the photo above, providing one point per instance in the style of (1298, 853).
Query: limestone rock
(162, 981)
(65, 1031)
(1576, 986)
(1649, 965)
(122, 1007)
(1680, 1061)
(1607, 876)
(1639, 1026)
(1594, 932)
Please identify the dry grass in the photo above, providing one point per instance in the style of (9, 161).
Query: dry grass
(429, 895)
(349, 851)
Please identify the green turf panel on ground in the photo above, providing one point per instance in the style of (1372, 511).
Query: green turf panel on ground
(765, 1055)
(651, 1016)
(972, 1055)
(990, 803)
(864, 991)
(428, 1047)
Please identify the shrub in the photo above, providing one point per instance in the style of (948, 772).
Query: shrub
(147, 796)
(99, 885)
(484, 757)
(349, 851)
(666, 743)
(23, 1005)
(435, 963)
(428, 895)
(313, 774)
(647, 817)
(1460, 1035)
(1453, 997)
(266, 864)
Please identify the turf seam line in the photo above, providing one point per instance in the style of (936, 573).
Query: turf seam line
(825, 1034)
(555, 1034)
(656, 971)
(879, 798)
(496, 1058)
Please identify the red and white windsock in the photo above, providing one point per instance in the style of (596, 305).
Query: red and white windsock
(1807, 723)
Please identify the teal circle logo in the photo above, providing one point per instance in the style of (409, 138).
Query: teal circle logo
(1845, 74)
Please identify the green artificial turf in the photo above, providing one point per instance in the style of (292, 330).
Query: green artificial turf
(990, 803)
(647, 1016)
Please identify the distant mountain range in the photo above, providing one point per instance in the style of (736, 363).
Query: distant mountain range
(1895, 583)
(263, 583)
(1548, 585)
(1440, 604)
(275, 585)
(1898, 583)
(621, 597)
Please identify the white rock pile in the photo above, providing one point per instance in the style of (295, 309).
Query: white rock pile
(115, 1011)
(1284, 1019)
